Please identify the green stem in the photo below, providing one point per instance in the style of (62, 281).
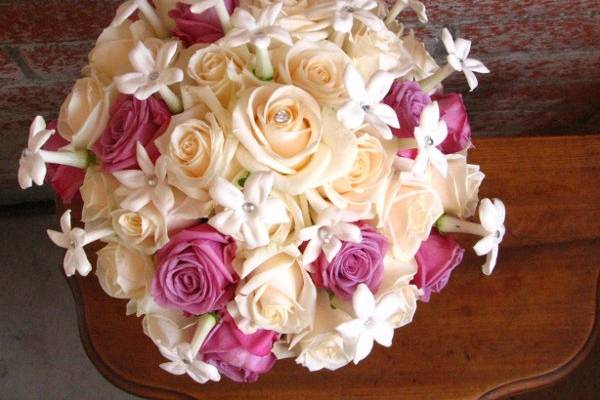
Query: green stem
(223, 15)
(171, 99)
(152, 17)
(449, 224)
(264, 68)
(428, 84)
(395, 11)
(205, 325)
(76, 159)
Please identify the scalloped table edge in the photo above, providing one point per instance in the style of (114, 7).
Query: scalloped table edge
(503, 391)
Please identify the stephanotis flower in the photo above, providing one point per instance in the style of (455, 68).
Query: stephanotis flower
(372, 322)
(146, 185)
(458, 53)
(366, 102)
(431, 132)
(128, 8)
(401, 5)
(332, 227)
(200, 6)
(153, 74)
(344, 12)
(248, 214)
(32, 165)
(74, 240)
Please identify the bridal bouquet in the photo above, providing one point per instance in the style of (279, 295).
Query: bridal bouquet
(267, 179)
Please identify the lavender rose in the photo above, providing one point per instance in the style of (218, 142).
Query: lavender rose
(454, 113)
(408, 100)
(356, 263)
(194, 272)
(437, 258)
(240, 357)
(131, 121)
(198, 28)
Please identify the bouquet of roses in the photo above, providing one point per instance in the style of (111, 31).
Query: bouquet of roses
(269, 179)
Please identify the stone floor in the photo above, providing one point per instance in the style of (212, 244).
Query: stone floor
(41, 356)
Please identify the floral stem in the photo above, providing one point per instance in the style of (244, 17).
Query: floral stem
(339, 38)
(171, 99)
(223, 14)
(264, 68)
(395, 11)
(76, 159)
(91, 237)
(152, 17)
(205, 325)
(449, 224)
(428, 84)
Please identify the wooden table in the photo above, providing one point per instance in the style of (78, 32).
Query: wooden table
(526, 327)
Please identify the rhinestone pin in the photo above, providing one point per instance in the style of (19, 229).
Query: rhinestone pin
(249, 208)
(325, 234)
(154, 76)
(152, 181)
(429, 141)
(282, 116)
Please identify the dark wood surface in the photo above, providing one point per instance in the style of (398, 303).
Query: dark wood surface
(526, 327)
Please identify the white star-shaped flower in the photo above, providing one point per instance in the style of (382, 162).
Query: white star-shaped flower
(74, 240)
(128, 8)
(365, 105)
(146, 185)
(200, 6)
(333, 226)
(458, 53)
(344, 12)
(431, 132)
(492, 216)
(401, 5)
(258, 31)
(32, 166)
(153, 74)
(372, 323)
(182, 360)
(248, 214)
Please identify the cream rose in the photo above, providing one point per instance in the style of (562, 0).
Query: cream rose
(317, 68)
(85, 113)
(198, 149)
(144, 230)
(97, 194)
(423, 65)
(459, 191)
(276, 293)
(169, 328)
(282, 129)
(123, 273)
(407, 213)
(220, 68)
(373, 51)
(359, 189)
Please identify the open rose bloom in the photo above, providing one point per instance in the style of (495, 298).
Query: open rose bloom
(269, 179)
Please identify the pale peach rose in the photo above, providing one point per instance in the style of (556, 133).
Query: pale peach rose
(144, 230)
(373, 51)
(276, 293)
(459, 191)
(423, 65)
(97, 194)
(123, 273)
(407, 213)
(220, 68)
(358, 191)
(169, 328)
(282, 129)
(317, 68)
(198, 148)
(85, 112)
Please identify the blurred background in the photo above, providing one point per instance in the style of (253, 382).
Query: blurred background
(545, 62)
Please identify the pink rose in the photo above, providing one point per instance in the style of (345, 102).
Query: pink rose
(198, 28)
(131, 121)
(194, 271)
(454, 112)
(356, 263)
(240, 357)
(66, 181)
(437, 258)
(408, 100)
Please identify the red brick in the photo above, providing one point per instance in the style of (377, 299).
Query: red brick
(54, 20)
(64, 60)
(9, 71)
(30, 99)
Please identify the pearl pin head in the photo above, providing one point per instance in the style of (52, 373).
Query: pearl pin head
(282, 117)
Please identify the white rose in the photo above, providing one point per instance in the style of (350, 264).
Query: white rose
(198, 149)
(396, 279)
(123, 273)
(459, 191)
(85, 113)
(276, 293)
(169, 328)
(281, 128)
(407, 214)
(373, 51)
(317, 68)
(144, 230)
(358, 190)
(297, 210)
(97, 194)
(322, 347)
(423, 65)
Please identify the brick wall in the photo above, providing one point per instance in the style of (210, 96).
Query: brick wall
(544, 54)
